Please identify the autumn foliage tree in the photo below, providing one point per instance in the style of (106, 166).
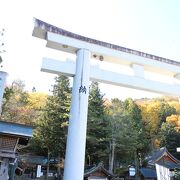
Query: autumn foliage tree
(154, 114)
(118, 132)
(175, 120)
(20, 106)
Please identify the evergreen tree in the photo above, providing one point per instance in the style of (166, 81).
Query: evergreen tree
(51, 129)
(133, 112)
(139, 145)
(128, 139)
(116, 117)
(96, 146)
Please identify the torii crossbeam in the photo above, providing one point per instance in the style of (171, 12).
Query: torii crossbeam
(85, 49)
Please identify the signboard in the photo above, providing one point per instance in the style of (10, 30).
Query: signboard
(162, 172)
(39, 173)
(132, 171)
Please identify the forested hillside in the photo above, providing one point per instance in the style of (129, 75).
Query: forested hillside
(119, 132)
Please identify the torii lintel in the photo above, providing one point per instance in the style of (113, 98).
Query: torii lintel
(66, 41)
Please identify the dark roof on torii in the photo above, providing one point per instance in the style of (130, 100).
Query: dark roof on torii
(50, 28)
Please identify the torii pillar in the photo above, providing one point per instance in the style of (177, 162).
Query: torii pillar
(86, 48)
(78, 119)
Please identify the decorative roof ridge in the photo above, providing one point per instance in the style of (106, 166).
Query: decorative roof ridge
(172, 157)
(99, 166)
(165, 150)
(51, 28)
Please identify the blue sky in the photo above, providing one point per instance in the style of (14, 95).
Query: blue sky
(151, 26)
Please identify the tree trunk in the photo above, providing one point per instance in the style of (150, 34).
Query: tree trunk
(136, 165)
(111, 165)
(59, 168)
(110, 154)
(47, 166)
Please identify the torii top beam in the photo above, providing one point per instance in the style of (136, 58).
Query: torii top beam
(66, 41)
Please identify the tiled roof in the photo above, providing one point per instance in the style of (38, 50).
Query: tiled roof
(89, 171)
(148, 173)
(33, 159)
(158, 154)
(15, 129)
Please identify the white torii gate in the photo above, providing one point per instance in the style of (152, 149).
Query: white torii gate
(85, 49)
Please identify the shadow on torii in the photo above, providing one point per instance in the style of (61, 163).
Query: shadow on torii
(86, 49)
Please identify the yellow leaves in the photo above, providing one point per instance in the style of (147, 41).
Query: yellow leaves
(150, 112)
(64, 124)
(175, 119)
(172, 118)
(150, 115)
(157, 143)
(37, 100)
(176, 105)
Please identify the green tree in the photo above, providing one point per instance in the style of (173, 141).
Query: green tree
(51, 129)
(96, 146)
(165, 110)
(128, 138)
(133, 112)
(139, 139)
(170, 138)
(116, 120)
